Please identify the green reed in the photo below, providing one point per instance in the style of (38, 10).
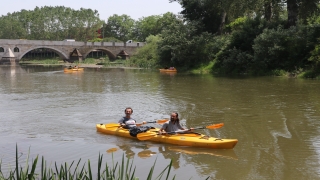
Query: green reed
(115, 171)
(42, 61)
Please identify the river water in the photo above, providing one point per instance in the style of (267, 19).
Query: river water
(53, 114)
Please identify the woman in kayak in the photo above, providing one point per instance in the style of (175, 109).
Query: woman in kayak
(126, 121)
(172, 125)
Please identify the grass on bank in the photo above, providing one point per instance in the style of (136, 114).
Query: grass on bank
(106, 62)
(299, 73)
(116, 171)
(42, 62)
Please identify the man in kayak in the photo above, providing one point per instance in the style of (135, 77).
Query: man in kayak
(173, 125)
(126, 121)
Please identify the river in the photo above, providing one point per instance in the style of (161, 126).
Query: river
(54, 114)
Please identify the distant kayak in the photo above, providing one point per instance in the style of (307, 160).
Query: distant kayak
(168, 70)
(186, 139)
(73, 69)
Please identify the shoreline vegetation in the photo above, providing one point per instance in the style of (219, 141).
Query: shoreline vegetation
(88, 63)
(127, 64)
(117, 171)
(258, 39)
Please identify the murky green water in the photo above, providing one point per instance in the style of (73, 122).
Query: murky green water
(276, 120)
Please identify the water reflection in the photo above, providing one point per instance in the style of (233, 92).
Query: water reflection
(173, 155)
(170, 152)
(223, 153)
(168, 73)
(127, 150)
(146, 154)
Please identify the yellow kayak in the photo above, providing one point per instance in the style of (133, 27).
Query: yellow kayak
(73, 69)
(168, 70)
(190, 139)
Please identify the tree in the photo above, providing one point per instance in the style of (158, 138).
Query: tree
(212, 15)
(154, 25)
(147, 26)
(301, 9)
(120, 27)
(51, 23)
(206, 13)
(11, 28)
(147, 56)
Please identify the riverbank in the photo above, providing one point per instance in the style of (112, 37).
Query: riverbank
(103, 66)
(83, 65)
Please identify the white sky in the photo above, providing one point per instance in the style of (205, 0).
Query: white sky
(134, 8)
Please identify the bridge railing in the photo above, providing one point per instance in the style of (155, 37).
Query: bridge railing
(66, 43)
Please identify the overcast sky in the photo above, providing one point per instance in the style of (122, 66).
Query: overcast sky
(134, 8)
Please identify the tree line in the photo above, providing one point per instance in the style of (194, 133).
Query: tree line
(218, 36)
(50, 23)
(247, 37)
(59, 23)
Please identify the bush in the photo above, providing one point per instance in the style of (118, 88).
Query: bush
(310, 74)
(146, 56)
(280, 48)
(237, 54)
(233, 61)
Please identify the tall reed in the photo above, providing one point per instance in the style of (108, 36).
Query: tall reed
(124, 171)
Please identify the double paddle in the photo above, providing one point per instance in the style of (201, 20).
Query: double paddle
(116, 125)
(148, 135)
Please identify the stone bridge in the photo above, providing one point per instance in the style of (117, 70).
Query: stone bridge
(11, 51)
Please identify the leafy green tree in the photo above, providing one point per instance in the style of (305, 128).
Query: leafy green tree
(182, 46)
(120, 27)
(281, 48)
(147, 26)
(212, 15)
(173, 40)
(308, 8)
(206, 13)
(11, 28)
(302, 9)
(51, 23)
(147, 56)
(153, 25)
(237, 54)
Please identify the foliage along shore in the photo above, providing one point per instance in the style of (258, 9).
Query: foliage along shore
(235, 37)
(126, 64)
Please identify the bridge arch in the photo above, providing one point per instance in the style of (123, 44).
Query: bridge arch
(60, 53)
(105, 50)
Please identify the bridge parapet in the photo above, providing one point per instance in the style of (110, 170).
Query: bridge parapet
(20, 47)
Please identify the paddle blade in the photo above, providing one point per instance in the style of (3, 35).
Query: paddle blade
(112, 125)
(215, 126)
(161, 121)
(146, 135)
